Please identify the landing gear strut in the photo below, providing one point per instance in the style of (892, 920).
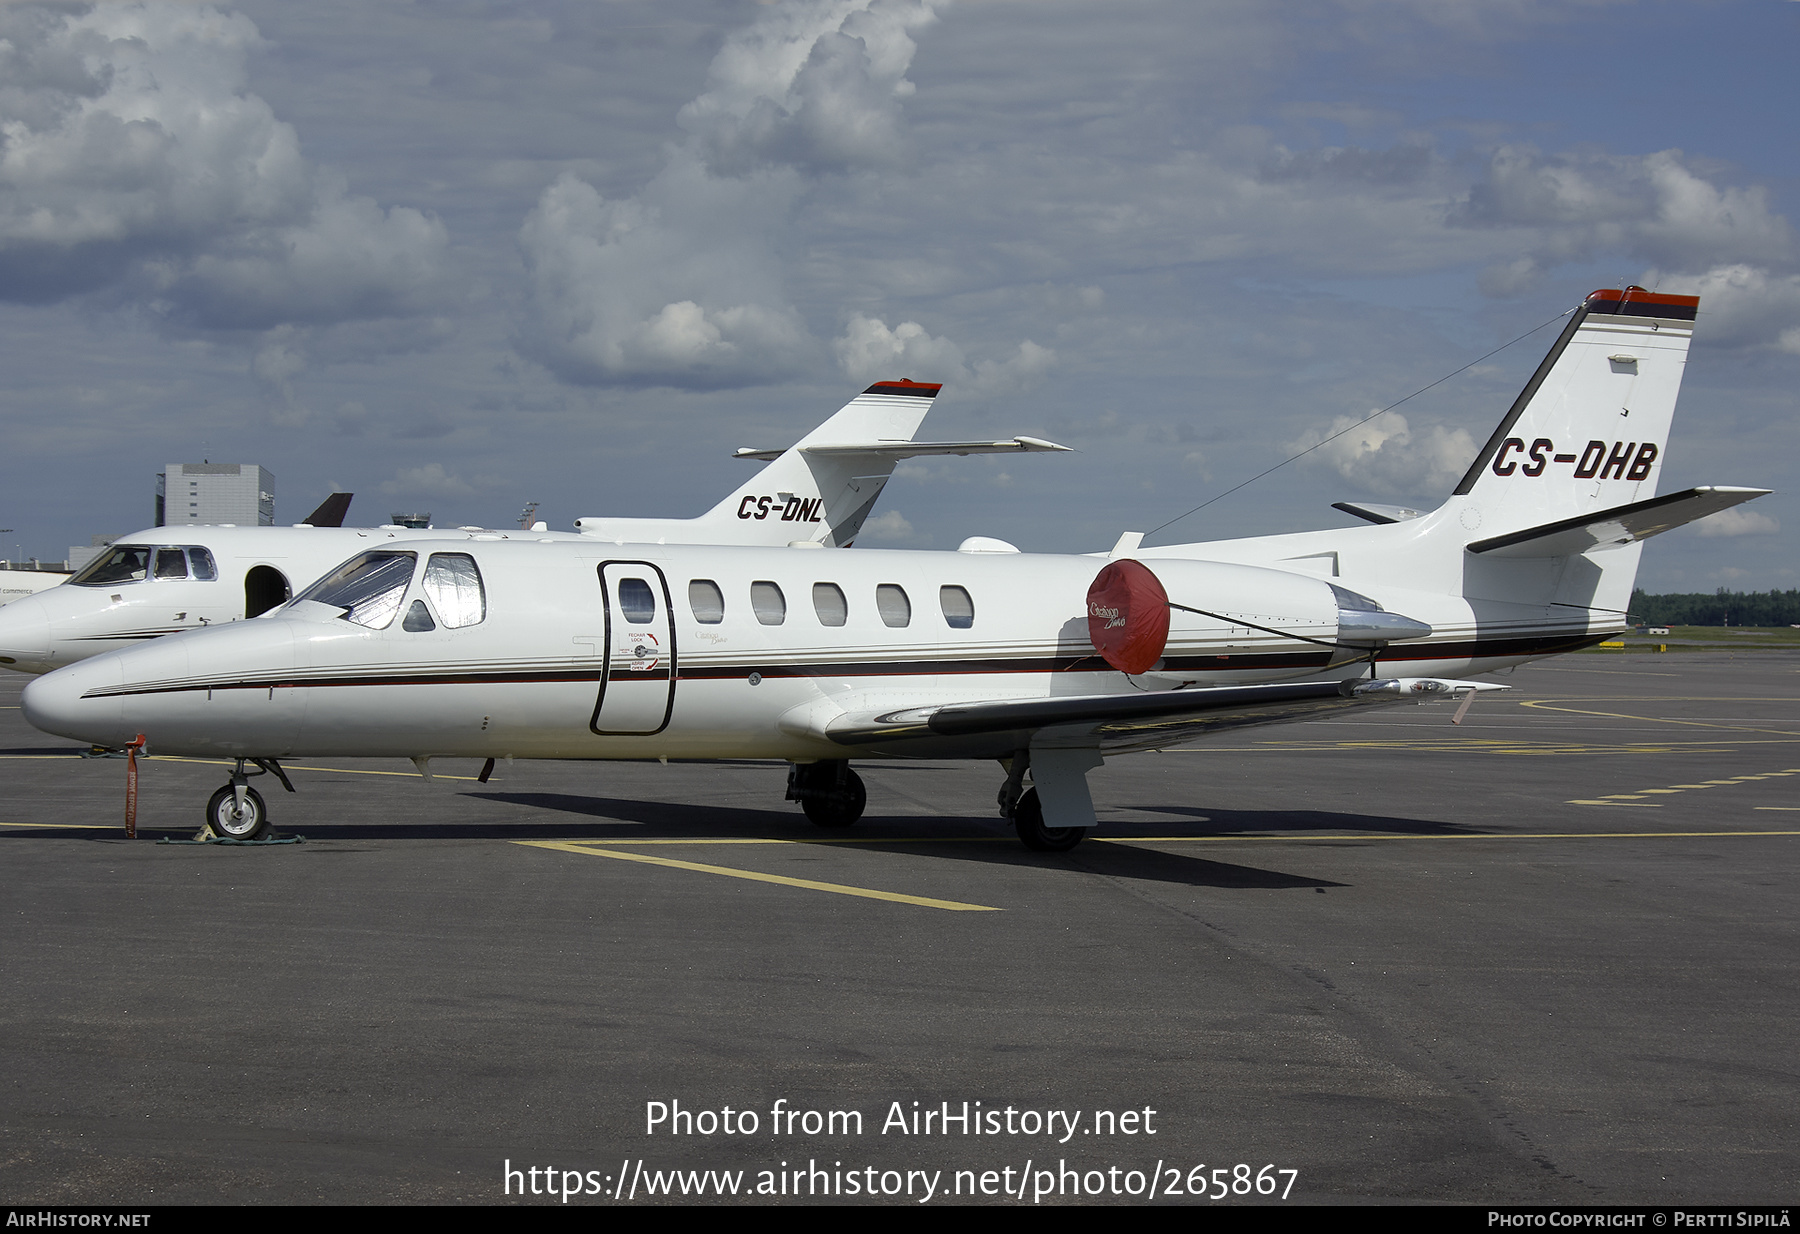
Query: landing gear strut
(831, 794)
(1026, 811)
(237, 811)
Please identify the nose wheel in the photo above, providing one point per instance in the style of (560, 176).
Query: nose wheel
(231, 819)
(237, 811)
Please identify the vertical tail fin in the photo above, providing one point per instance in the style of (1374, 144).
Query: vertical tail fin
(827, 497)
(801, 496)
(1589, 430)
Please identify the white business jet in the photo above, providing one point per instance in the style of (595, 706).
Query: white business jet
(572, 650)
(165, 580)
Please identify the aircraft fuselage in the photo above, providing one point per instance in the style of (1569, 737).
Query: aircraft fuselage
(595, 651)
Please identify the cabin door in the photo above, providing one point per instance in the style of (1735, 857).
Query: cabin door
(637, 686)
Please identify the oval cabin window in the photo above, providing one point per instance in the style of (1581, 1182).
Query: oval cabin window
(829, 604)
(892, 604)
(706, 601)
(767, 602)
(959, 609)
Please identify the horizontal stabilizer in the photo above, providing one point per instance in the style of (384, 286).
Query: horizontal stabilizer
(914, 449)
(1370, 512)
(1618, 526)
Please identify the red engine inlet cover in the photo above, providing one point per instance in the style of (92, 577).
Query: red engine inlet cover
(1128, 616)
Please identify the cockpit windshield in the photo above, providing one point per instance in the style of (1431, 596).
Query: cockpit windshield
(133, 563)
(368, 588)
(124, 563)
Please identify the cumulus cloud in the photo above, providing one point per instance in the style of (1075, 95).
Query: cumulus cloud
(134, 162)
(1741, 305)
(1385, 455)
(675, 287)
(869, 351)
(812, 83)
(1737, 521)
(681, 285)
(1653, 207)
(433, 480)
(889, 527)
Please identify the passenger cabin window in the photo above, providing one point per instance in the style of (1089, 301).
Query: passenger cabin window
(892, 604)
(959, 609)
(829, 604)
(453, 585)
(126, 563)
(202, 563)
(171, 563)
(767, 602)
(706, 601)
(637, 601)
(368, 588)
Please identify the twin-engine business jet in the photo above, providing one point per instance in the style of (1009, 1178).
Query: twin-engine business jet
(581, 649)
(165, 580)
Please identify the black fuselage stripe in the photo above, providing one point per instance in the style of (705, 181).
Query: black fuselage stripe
(1482, 649)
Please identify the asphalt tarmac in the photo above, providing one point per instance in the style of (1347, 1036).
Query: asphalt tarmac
(1548, 956)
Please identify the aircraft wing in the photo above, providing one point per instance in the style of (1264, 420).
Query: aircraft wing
(1124, 721)
(914, 449)
(1618, 526)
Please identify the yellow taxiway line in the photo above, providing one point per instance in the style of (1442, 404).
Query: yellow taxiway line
(807, 883)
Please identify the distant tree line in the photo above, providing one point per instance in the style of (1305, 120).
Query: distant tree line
(1723, 608)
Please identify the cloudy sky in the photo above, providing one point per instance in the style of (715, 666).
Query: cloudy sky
(458, 255)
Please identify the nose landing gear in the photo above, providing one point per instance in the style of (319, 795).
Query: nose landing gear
(237, 811)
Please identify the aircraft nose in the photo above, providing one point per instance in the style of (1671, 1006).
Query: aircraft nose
(55, 703)
(24, 636)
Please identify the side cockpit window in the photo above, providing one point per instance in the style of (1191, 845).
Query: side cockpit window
(201, 563)
(453, 585)
(124, 563)
(171, 563)
(368, 588)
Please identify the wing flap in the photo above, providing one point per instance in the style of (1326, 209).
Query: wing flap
(1133, 719)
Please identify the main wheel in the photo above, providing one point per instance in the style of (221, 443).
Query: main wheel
(840, 805)
(1028, 817)
(223, 817)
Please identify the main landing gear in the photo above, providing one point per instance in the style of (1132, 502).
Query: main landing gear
(831, 794)
(237, 811)
(1026, 810)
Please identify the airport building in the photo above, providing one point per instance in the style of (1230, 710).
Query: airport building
(241, 494)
